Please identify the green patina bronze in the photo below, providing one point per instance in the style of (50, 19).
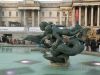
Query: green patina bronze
(59, 43)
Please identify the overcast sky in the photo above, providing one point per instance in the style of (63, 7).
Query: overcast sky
(38, 0)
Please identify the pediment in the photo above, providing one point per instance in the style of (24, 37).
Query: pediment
(91, 0)
(86, 0)
(29, 1)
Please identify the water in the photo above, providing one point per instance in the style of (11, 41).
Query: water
(9, 49)
(11, 57)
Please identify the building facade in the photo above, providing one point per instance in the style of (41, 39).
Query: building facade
(87, 13)
(30, 13)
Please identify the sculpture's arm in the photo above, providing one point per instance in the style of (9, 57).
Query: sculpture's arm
(46, 42)
(71, 33)
(44, 34)
(58, 40)
(45, 37)
(75, 30)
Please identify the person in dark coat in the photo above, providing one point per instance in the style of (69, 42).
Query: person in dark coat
(98, 44)
(93, 45)
(87, 44)
(4, 39)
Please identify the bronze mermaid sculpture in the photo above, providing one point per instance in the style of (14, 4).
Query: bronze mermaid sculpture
(58, 50)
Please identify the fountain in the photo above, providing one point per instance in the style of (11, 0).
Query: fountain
(60, 44)
(20, 62)
(60, 51)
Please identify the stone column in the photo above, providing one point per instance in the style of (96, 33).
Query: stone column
(80, 15)
(20, 16)
(98, 16)
(86, 16)
(60, 17)
(73, 16)
(91, 15)
(38, 18)
(25, 23)
(67, 18)
(32, 18)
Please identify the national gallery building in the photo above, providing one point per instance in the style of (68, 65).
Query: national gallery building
(29, 13)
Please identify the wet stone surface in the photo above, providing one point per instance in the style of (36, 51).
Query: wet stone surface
(92, 63)
(28, 61)
(16, 71)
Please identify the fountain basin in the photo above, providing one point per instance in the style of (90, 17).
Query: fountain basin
(9, 64)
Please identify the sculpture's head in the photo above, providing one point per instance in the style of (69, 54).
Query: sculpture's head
(43, 25)
(48, 29)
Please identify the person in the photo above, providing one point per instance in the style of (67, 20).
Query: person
(98, 44)
(87, 44)
(93, 45)
(4, 39)
(14, 41)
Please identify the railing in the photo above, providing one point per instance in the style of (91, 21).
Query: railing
(19, 29)
(5, 48)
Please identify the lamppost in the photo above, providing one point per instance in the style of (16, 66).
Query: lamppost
(65, 19)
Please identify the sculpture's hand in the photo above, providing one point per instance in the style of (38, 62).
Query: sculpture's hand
(43, 39)
(54, 46)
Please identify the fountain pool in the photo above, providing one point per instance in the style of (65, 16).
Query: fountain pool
(22, 61)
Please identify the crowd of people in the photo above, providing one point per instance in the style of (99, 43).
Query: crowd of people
(92, 45)
(13, 41)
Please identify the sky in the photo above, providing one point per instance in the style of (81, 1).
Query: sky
(38, 0)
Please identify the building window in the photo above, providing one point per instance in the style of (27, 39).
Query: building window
(58, 14)
(50, 14)
(42, 14)
(16, 13)
(30, 14)
(3, 23)
(9, 13)
(64, 13)
(2, 13)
